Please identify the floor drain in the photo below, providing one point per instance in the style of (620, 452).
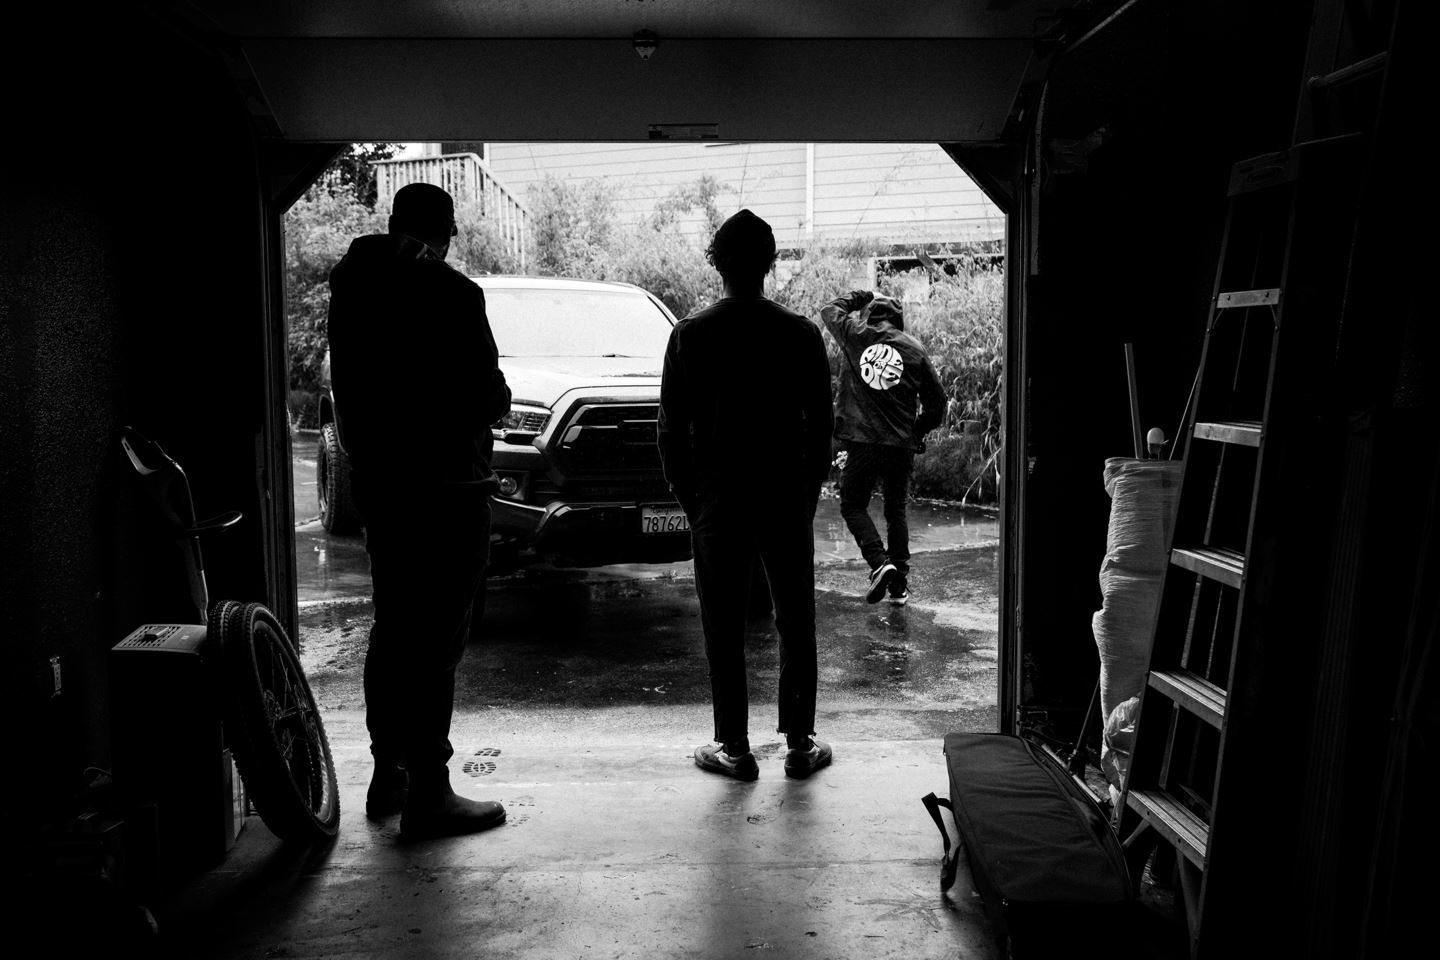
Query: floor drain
(479, 768)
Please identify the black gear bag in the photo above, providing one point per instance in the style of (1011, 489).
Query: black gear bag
(1043, 856)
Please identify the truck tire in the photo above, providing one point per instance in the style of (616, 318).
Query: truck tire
(273, 725)
(332, 484)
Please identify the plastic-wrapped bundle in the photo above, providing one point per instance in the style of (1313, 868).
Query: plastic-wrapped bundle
(1142, 510)
(1119, 741)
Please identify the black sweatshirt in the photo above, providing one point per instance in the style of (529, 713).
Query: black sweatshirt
(398, 310)
(745, 404)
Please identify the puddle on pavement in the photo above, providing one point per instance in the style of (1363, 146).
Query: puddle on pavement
(932, 526)
(327, 567)
(561, 638)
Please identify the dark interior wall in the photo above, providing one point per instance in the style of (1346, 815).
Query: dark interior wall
(1326, 848)
(1133, 139)
(130, 295)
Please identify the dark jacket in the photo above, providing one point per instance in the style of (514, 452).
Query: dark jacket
(889, 392)
(745, 404)
(413, 366)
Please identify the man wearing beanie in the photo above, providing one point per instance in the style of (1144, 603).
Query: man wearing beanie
(889, 398)
(425, 567)
(741, 370)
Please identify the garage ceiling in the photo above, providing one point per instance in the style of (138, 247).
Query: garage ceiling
(567, 69)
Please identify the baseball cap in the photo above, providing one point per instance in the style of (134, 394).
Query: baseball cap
(423, 207)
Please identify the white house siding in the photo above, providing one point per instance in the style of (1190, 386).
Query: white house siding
(899, 193)
(893, 193)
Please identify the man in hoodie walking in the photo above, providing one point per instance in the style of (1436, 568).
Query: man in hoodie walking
(889, 398)
(396, 305)
(743, 367)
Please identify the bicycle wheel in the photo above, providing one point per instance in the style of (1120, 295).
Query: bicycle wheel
(274, 725)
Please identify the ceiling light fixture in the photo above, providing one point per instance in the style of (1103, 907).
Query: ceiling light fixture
(645, 42)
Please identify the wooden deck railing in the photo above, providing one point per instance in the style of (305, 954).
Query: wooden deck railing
(466, 178)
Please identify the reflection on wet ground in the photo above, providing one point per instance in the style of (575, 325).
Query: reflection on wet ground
(555, 642)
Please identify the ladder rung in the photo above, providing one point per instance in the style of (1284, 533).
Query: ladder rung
(1248, 298)
(1214, 563)
(1353, 71)
(1188, 833)
(1245, 432)
(1192, 692)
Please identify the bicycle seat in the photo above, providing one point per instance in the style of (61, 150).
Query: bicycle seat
(145, 454)
(167, 485)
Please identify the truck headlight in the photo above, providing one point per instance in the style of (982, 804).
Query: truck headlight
(524, 422)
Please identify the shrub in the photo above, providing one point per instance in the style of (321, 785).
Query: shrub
(478, 246)
(961, 324)
(954, 466)
(576, 233)
(317, 231)
(571, 226)
(304, 410)
(662, 261)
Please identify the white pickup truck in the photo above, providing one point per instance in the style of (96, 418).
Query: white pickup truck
(580, 478)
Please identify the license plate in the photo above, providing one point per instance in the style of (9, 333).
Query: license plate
(663, 520)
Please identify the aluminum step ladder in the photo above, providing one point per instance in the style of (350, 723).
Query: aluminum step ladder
(1233, 601)
(1273, 316)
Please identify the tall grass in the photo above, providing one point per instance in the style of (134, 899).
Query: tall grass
(961, 324)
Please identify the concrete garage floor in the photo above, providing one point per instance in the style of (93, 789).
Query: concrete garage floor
(579, 710)
(621, 849)
(616, 844)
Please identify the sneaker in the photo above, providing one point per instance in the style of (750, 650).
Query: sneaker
(713, 757)
(899, 593)
(389, 788)
(801, 763)
(880, 579)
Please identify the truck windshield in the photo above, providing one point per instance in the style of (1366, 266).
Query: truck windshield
(575, 323)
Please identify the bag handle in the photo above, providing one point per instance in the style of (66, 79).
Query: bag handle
(950, 862)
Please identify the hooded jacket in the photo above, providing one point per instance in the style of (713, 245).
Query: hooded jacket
(889, 392)
(413, 366)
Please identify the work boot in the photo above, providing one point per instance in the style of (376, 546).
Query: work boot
(740, 765)
(800, 762)
(880, 579)
(447, 814)
(389, 787)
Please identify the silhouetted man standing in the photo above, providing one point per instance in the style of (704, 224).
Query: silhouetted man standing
(421, 479)
(743, 371)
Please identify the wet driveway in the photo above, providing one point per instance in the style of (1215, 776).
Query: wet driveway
(621, 646)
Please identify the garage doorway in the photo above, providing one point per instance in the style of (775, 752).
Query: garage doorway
(574, 635)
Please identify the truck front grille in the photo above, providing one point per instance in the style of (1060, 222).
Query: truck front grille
(606, 437)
